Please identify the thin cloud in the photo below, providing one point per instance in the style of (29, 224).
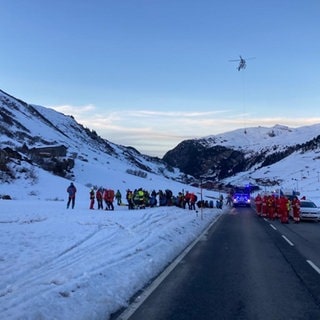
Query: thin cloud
(170, 114)
(78, 110)
(156, 132)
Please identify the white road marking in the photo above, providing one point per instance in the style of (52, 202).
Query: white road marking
(313, 266)
(285, 238)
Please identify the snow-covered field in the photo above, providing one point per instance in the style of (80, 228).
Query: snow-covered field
(80, 264)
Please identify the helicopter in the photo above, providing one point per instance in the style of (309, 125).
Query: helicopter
(242, 63)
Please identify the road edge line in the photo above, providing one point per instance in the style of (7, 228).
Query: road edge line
(131, 309)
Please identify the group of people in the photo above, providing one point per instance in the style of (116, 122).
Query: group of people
(140, 198)
(104, 196)
(101, 195)
(278, 207)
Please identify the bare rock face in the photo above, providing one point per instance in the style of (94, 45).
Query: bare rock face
(216, 162)
(208, 158)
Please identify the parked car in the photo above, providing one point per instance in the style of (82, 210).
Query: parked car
(308, 210)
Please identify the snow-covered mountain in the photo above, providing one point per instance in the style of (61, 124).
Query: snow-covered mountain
(260, 138)
(254, 155)
(37, 138)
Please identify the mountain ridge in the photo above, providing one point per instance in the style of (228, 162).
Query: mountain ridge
(223, 158)
(220, 157)
(24, 128)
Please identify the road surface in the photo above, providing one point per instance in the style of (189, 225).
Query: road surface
(244, 267)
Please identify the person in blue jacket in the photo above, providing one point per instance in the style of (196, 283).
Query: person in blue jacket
(72, 195)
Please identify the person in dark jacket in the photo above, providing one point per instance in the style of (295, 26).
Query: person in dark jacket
(118, 197)
(92, 197)
(72, 195)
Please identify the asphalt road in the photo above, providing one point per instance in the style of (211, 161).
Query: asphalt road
(245, 267)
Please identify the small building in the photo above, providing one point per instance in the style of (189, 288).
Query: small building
(49, 151)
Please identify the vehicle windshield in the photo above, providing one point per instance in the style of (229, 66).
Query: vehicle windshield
(308, 204)
(242, 190)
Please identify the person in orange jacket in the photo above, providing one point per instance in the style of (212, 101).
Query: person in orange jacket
(264, 209)
(284, 209)
(278, 211)
(296, 209)
(271, 207)
(193, 199)
(258, 202)
(108, 196)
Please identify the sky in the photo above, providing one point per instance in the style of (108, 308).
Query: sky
(150, 74)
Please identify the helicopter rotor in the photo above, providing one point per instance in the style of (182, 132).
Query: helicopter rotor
(242, 62)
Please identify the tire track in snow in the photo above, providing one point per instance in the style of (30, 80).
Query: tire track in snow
(73, 255)
(40, 275)
(52, 274)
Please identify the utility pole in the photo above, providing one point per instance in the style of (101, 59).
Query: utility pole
(201, 198)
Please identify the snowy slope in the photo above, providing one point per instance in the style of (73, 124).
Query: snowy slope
(35, 126)
(298, 172)
(258, 138)
(82, 264)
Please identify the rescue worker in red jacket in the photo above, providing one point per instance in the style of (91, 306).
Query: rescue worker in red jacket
(258, 202)
(193, 199)
(284, 209)
(99, 197)
(278, 215)
(108, 196)
(296, 209)
(264, 209)
(187, 199)
(271, 207)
